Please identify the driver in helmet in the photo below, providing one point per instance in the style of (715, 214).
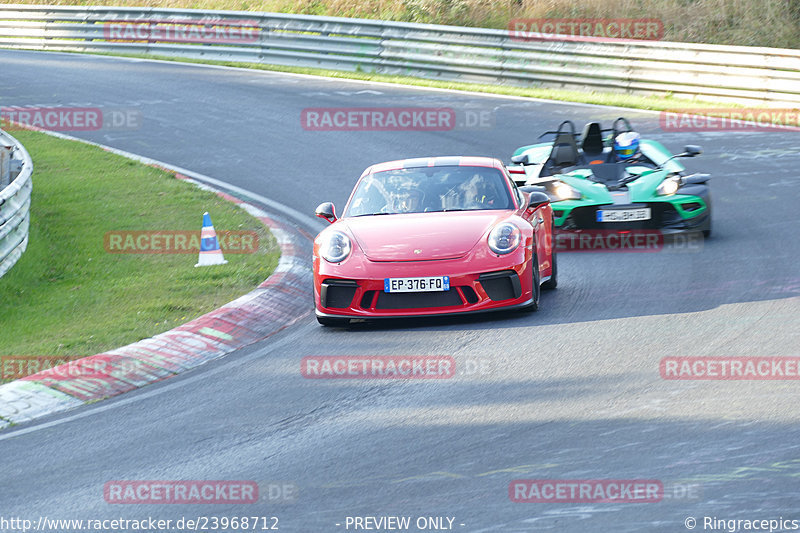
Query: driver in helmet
(478, 193)
(408, 200)
(626, 145)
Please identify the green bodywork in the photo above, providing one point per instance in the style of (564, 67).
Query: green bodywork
(641, 190)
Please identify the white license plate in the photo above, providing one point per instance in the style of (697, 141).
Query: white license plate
(623, 215)
(426, 284)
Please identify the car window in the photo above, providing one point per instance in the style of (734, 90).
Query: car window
(517, 192)
(430, 189)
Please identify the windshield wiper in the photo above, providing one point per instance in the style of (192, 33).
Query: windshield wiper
(373, 214)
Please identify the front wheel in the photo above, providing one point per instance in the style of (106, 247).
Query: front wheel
(552, 283)
(536, 289)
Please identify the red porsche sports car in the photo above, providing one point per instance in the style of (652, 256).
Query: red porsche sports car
(433, 236)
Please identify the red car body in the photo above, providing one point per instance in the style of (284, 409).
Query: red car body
(441, 243)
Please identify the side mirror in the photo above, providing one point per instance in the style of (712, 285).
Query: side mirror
(521, 159)
(327, 211)
(691, 150)
(537, 199)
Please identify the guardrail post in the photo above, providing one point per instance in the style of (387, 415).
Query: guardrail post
(5, 166)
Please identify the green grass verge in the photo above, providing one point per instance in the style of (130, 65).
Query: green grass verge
(656, 103)
(67, 296)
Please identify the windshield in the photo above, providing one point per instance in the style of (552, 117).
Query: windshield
(430, 190)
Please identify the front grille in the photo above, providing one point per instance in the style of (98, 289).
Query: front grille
(469, 294)
(337, 293)
(670, 216)
(418, 300)
(366, 299)
(503, 285)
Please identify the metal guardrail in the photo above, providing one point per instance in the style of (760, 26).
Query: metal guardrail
(769, 76)
(16, 170)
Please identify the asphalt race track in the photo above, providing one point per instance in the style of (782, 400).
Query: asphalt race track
(570, 392)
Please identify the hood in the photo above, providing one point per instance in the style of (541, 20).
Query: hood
(421, 236)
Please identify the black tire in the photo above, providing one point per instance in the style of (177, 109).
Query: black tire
(707, 232)
(537, 291)
(333, 322)
(552, 283)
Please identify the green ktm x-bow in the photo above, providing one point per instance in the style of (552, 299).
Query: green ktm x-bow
(612, 179)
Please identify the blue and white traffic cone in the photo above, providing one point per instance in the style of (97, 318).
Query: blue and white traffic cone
(210, 253)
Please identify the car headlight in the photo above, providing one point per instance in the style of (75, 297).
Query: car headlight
(335, 246)
(564, 191)
(669, 186)
(504, 238)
